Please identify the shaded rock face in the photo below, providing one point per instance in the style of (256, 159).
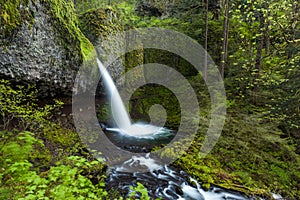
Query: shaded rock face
(99, 26)
(148, 10)
(36, 54)
(174, 8)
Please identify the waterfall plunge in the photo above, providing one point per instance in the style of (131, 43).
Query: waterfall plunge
(120, 114)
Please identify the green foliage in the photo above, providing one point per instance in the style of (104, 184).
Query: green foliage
(286, 106)
(140, 191)
(20, 180)
(19, 108)
(250, 157)
(132, 20)
(27, 170)
(278, 43)
(276, 80)
(16, 151)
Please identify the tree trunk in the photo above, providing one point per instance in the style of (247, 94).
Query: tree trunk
(258, 66)
(206, 41)
(225, 39)
(267, 35)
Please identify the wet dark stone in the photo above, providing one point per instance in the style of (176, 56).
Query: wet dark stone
(178, 190)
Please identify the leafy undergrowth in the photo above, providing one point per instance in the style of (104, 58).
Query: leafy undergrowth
(66, 179)
(40, 158)
(249, 157)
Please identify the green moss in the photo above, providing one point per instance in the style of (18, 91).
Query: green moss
(151, 94)
(249, 157)
(12, 14)
(96, 23)
(61, 136)
(66, 22)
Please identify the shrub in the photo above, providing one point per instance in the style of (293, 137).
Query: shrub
(19, 108)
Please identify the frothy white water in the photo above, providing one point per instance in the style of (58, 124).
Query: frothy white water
(277, 196)
(191, 192)
(170, 182)
(119, 111)
(138, 161)
(140, 130)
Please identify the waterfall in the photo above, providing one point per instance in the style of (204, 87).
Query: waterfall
(120, 115)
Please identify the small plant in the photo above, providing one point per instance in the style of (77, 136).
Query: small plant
(139, 191)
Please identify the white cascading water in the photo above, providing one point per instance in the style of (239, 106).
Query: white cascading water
(119, 111)
(166, 182)
(122, 119)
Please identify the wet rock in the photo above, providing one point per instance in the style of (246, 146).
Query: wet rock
(178, 190)
(146, 9)
(38, 53)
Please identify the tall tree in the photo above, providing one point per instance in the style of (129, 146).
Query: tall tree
(206, 40)
(258, 60)
(224, 52)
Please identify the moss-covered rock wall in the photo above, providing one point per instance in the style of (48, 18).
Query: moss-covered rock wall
(98, 25)
(41, 44)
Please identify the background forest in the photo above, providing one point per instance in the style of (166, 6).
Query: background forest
(255, 44)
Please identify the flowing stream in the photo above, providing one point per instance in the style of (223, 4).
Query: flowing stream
(164, 182)
(167, 182)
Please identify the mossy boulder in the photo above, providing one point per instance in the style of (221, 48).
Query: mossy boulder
(99, 25)
(41, 44)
